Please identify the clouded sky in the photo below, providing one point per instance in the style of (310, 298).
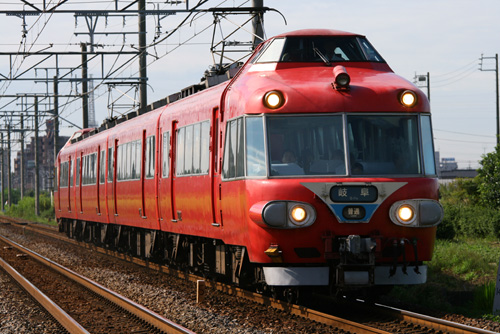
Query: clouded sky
(443, 37)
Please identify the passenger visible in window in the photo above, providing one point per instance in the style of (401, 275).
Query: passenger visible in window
(288, 166)
(329, 48)
(288, 157)
(338, 163)
(357, 168)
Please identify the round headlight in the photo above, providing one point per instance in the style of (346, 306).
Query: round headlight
(408, 98)
(298, 214)
(406, 213)
(273, 99)
(343, 79)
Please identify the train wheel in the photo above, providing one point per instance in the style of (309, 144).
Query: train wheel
(292, 295)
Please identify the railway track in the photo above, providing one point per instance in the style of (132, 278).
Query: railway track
(77, 303)
(382, 320)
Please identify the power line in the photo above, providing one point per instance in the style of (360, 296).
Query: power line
(463, 133)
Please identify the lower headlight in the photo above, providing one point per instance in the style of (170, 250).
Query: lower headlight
(283, 214)
(298, 214)
(417, 213)
(406, 213)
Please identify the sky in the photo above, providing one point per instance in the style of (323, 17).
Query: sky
(445, 38)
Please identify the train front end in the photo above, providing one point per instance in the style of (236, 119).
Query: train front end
(336, 156)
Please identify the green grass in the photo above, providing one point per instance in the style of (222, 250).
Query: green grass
(461, 278)
(25, 209)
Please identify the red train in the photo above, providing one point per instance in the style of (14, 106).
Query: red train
(311, 165)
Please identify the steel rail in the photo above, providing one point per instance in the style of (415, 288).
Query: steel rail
(301, 311)
(420, 319)
(134, 308)
(428, 321)
(63, 318)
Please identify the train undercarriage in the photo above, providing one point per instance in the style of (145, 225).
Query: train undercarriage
(205, 257)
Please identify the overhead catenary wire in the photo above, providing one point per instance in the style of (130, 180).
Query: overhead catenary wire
(113, 72)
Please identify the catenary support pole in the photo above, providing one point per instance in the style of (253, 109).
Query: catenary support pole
(37, 180)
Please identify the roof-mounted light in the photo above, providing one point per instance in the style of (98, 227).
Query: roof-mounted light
(408, 98)
(274, 99)
(342, 79)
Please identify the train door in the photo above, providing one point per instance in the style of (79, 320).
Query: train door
(58, 176)
(173, 150)
(70, 182)
(101, 192)
(192, 182)
(143, 174)
(79, 199)
(110, 189)
(215, 167)
(164, 181)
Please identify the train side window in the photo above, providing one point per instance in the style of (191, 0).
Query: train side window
(193, 143)
(71, 173)
(179, 165)
(77, 181)
(136, 159)
(84, 169)
(196, 148)
(150, 157)
(240, 150)
(63, 176)
(101, 167)
(255, 149)
(188, 150)
(166, 154)
(110, 164)
(128, 161)
(119, 165)
(93, 168)
(233, 165)
(273, 52)
(205, 147)
(89, 172)
(427, 146)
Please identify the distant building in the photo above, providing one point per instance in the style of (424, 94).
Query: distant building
(45, 160)
(448, 170)
(448, 164)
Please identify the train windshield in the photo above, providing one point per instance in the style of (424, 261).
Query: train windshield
(327, 49)
(354, 145)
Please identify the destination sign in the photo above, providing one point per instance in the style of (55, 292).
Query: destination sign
(353, 194)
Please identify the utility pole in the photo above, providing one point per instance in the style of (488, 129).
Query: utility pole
(422, 80)
(37, 181)
(258, 24)
(56, 129)
(85, 93)
(9, 183)
(3, 173)
(22, 156)
(497, 91)
(143, 94)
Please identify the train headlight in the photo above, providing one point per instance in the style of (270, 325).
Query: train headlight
(408, 98)
(274, 99)
(298, 214)
(342, 78)
(417, 213)
(406, 213)
(283, 214)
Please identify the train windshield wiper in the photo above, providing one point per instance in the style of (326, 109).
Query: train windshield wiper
(322, 56)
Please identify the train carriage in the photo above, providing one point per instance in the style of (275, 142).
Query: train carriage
(312, 166)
